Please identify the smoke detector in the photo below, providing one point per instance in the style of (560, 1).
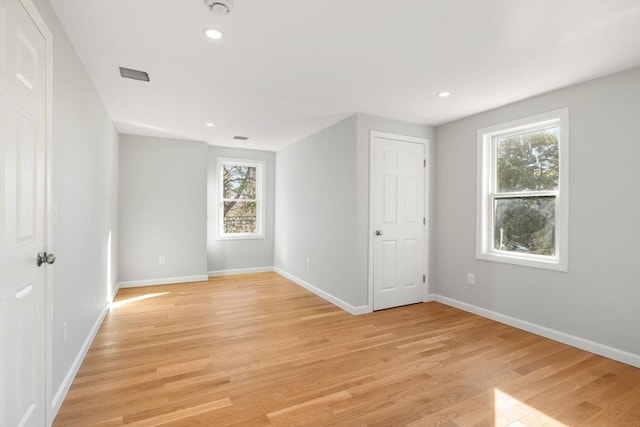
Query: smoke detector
(219, 7)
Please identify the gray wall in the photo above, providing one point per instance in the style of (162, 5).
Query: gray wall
(316, 210)
(599, 298)
(85, 182)
(223, 255)
(322, 205)
(162, 208)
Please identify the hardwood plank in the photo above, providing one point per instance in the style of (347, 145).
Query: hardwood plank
(258, 350)
(178, 415)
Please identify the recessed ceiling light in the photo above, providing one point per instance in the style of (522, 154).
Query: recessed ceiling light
(209, 124)
(444, 94)
(213, 34)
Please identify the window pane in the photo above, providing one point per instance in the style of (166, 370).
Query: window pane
(240, 217)
(528, 161)
(525, 224)
(239, 182)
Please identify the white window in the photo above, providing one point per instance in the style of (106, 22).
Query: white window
(522, 213)
(240, 188)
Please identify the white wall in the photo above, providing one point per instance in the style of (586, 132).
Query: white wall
(599, 298)
(322, 206)
(162, 210)
(85, 181)
(241, 254)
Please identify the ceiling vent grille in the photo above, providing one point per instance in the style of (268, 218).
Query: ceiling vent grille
(240, 138)
(128, 73)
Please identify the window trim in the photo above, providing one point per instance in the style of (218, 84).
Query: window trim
(486, 172)
(260, 170)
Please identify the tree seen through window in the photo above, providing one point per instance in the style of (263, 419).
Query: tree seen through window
(239, 189)
(526, 163)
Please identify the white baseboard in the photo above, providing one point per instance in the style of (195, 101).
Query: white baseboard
(572, 340)
(355, 310)
(163, 281)
(75, 366)
(217, 273)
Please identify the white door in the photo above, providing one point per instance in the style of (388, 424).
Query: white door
(398, 220)
(22, 216)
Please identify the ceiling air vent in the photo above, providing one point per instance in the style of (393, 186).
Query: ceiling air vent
(240, 138)
(128, 73)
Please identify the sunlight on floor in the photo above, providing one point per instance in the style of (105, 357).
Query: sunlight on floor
(510, 412)
(117, 304)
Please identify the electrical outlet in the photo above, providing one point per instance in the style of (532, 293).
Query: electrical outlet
(471, 279)
(162, 260)
(308, 262)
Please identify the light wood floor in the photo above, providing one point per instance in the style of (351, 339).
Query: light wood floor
(258, 350)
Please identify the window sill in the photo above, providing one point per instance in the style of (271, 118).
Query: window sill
(241, 237)
(542, 262)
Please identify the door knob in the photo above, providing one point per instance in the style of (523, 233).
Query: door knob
(43, 258)
(378, 232)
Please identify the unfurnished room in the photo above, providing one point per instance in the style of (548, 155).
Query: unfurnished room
(320, 213)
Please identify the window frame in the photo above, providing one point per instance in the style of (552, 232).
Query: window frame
(487, 192)
(260, 168)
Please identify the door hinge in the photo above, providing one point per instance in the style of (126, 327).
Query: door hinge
(424, 221)
(425, 163)
(424, 279)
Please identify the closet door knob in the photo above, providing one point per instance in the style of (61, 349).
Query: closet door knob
(44, 258)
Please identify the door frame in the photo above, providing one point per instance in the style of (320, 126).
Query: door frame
(373, 134)
(47, 279)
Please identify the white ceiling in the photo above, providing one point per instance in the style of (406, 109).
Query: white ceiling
(287, 68)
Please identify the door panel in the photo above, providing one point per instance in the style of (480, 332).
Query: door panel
(2, 156)
(389, 255)
(26, 167)
(398, 192)
(3, 36)
(390, 198)
(22, 217)
(411, 209)
(410, 259)
(26, 351)
(27, 60)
